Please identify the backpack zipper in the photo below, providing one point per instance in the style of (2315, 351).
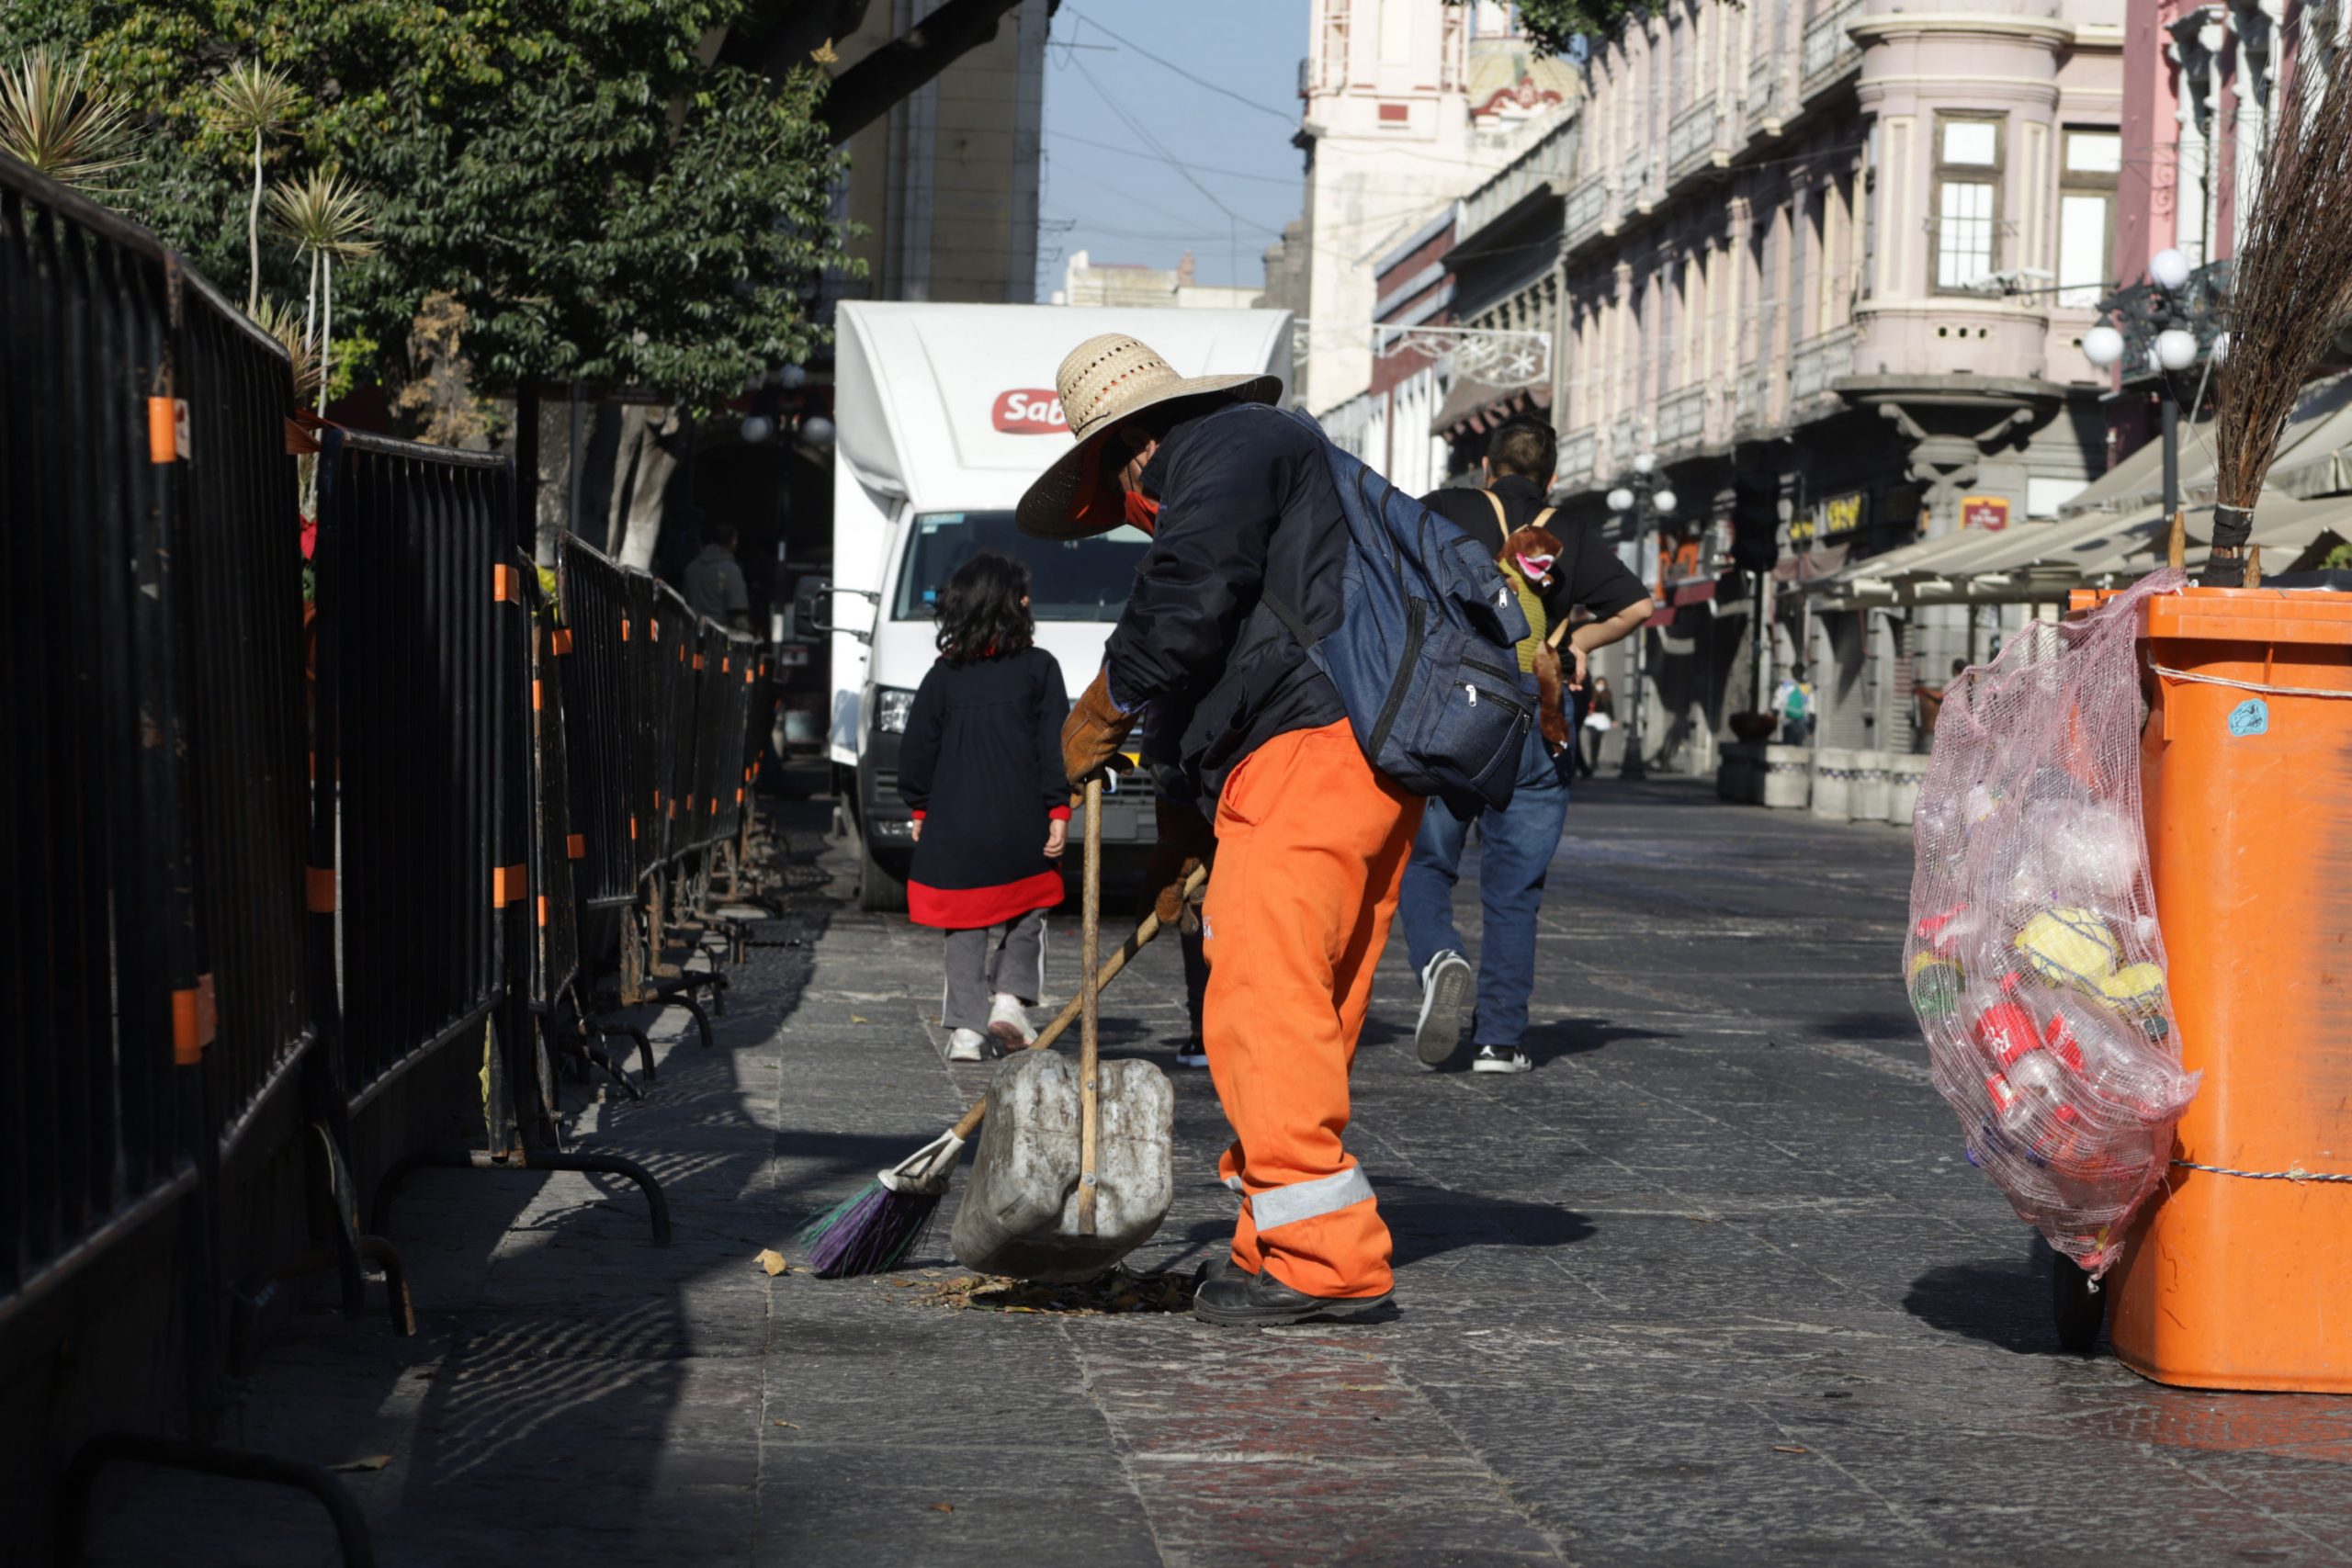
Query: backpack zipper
(1414, 611)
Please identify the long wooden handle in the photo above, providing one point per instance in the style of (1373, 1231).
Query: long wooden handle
(1089, 1016)
(1052, 1032)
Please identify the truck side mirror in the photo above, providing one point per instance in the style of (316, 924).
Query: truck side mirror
(811, 607)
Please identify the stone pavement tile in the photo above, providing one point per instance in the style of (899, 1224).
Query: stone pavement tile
(981, 1499)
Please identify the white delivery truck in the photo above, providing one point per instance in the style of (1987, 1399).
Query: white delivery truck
(944, 414)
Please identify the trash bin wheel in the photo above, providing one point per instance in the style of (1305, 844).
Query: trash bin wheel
(2076, 1305)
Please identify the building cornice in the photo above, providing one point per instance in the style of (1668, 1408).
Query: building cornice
(1903, 24)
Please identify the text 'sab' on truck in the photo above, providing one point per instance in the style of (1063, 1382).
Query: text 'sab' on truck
(945, 413)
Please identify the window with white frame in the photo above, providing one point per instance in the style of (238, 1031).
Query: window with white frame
(2086, 215)
(1968, 200)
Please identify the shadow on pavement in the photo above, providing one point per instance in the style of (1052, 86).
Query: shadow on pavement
(1575, 1036)
(1428, 1221)
(2002, 1301)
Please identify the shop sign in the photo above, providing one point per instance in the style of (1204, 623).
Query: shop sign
(1990, 513)
(1832, 519)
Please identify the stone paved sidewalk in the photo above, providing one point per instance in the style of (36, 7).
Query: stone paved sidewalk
(1711, 1286)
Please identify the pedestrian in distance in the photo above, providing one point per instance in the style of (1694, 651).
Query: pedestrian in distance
(1599, 718)
(982, 768)
(1516, 844)
(1792, 701)
(715, 586)
(1309, 839)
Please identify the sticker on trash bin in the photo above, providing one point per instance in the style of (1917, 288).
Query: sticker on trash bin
(2251, 717)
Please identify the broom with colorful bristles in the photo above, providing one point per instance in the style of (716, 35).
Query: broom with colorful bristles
(876, 1227)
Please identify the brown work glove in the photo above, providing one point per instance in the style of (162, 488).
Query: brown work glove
(1185, 842)
(1091, 735)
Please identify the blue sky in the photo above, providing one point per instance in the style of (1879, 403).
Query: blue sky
(1110, 193)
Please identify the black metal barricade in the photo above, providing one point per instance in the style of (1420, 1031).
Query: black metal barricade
(422, 625)
(599, 706)
(92, 844)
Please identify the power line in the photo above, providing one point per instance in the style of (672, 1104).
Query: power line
(1286, 119)
(1290, 180)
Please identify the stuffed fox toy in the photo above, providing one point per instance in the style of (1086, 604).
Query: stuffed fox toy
(1528, 556)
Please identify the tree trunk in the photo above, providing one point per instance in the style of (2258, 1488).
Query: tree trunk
(641, 470)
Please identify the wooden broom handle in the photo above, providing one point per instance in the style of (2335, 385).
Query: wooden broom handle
(1053, 1032)
(1089, 1016)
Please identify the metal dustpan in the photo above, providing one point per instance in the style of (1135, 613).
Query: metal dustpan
(1075, 1168)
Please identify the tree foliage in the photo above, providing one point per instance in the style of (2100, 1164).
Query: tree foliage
(1550, 23)
(599, 203)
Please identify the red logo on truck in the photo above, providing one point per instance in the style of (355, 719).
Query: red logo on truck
(1029, 411)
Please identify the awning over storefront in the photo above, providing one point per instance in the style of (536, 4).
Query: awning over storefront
(1479, 406)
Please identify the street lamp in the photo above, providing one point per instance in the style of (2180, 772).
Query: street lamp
(2164, 326)
(1645, 498)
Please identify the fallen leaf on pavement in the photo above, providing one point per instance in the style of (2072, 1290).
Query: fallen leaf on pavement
(353, 1466)
(854, 1019)
(772, 1262)
(1117, 1291)
(1789, 1449)
(942, 1507)
(793, 1424)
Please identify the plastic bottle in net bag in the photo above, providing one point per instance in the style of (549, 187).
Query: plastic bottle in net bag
(2034, 962)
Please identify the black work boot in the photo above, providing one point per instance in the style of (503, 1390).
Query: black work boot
(1221, 1267)
(1254, 1301)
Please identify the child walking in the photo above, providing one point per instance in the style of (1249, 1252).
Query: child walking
(982, 768)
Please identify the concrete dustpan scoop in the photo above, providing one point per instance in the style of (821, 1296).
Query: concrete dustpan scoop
(1074, 1170)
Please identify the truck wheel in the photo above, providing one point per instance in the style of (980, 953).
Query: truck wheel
(2076, 1306)
(879, 890)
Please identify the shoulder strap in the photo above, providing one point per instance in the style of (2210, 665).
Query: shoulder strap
(1542, 517)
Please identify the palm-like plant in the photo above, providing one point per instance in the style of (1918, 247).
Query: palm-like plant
(284, 322)
(54, 119)
(255, 100)
(327, 220)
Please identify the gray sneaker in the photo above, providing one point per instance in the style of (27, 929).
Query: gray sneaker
(1445, 986)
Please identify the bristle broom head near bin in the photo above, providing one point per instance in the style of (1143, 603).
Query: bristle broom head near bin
(877, 1225)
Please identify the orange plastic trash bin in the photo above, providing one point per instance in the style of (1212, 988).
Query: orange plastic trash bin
(2240, 1273)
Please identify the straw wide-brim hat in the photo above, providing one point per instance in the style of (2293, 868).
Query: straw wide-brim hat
(1102, 381)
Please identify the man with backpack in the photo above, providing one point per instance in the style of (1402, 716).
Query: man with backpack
(1516, 842)
(1310, 840)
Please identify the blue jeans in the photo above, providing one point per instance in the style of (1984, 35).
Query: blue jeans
(1514, 855)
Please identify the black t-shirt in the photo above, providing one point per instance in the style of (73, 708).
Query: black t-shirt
(1587, 575)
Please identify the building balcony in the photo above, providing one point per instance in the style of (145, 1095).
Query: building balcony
(1752, 410)
(1829, 53)
(1634, 185)
(1578, 448)
(1818, 362)
(1544, 167)
(1691, 140)
(1682, 418)
(1588, 213)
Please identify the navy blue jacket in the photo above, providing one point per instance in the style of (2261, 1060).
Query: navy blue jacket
(1246, 505)
(982, 761)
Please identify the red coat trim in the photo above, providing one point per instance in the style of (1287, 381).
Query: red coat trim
(970, 908)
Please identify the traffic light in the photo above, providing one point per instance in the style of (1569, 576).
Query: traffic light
(1755, 522)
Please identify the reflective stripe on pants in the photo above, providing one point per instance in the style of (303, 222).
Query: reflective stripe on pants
(1311, 844)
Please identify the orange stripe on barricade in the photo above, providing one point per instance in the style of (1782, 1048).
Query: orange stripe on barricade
(506, 583)
(697, 659)
(624, 628)
(725, 664)
(166, 430)
(538, 696)
(576, 847)
(559, 640)
(195, 1020)
(507, 884)
(543, 908)
(632, 829)
(318, 889)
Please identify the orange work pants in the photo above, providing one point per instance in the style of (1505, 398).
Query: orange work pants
(1311, 845)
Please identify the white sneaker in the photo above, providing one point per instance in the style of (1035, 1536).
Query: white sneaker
(1192, 1053)
(1445, 986)
(1501, 1059)
(968, 1045)
(1009, 1022)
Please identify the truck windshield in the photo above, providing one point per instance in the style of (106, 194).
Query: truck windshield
(1082, 579)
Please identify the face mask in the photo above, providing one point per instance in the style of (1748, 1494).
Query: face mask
(1142, 512)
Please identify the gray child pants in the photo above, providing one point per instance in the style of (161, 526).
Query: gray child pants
(977, 969)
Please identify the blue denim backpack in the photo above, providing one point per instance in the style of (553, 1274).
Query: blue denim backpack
(1425, 656)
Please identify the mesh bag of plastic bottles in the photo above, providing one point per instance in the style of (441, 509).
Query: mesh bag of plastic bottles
(2034, 960)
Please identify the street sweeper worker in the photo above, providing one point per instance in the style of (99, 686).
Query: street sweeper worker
(1309, 841)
